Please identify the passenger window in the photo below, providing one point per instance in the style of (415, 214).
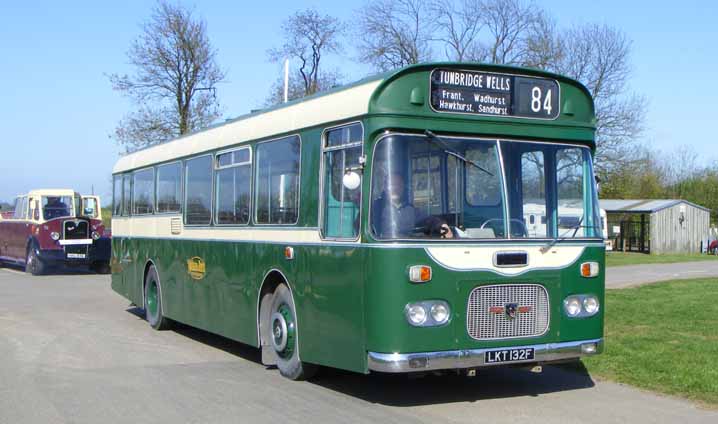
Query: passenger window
(233, 179)
(198, 191)
(126, 194)
(117, 196)
(143, 189)
(277, 184)
(342, 152)
(169, 188)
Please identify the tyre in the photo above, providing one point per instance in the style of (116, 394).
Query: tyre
(284, 337)
(153, 302)
(33, 264)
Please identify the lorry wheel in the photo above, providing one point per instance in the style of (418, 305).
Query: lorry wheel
(153, 302)
(284, 337)
(33, 264)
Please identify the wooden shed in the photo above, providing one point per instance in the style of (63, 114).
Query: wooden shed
(656, 226)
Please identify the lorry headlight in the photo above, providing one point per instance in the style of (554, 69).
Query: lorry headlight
(95, 235)
(55, 235)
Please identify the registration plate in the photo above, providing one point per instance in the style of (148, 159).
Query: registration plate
(509, 355)
(76, 256)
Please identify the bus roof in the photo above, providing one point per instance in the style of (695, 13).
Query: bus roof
(337, 104)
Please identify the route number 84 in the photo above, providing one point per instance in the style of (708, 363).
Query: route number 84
(538, 100)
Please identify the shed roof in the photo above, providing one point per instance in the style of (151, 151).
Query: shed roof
(643, 205)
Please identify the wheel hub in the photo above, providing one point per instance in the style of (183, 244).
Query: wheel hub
(282, 327)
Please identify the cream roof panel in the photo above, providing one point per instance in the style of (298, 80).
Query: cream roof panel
(51, 192)
(336, 106)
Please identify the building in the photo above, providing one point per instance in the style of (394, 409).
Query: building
(656, 226)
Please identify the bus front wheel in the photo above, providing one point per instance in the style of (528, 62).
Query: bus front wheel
(283, 336)
(153, 302)
(33, 264)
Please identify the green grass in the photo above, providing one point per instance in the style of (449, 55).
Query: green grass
(107, 217)
(663, 337)
(626, 258)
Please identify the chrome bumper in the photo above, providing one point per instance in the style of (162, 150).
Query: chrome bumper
(456, 359)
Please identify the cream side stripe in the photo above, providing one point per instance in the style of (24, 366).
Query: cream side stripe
(160, 227)
(482, 257)
(333, 107)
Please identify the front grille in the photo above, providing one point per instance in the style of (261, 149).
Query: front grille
(487, 318)
(74, 230)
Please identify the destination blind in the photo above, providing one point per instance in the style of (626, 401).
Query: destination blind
(485, 93)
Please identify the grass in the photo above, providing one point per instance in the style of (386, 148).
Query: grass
(627, 258)
(663, 337)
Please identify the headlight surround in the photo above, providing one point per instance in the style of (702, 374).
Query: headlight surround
(55, 235)
(428, 313)
(95, 235)
(581, 306)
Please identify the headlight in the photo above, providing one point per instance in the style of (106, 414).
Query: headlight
(429, 313)
(440, 313)
(590, 305)
(55, 235)
(581, 305)
(95, 235)
(573, 306)
(416, 314)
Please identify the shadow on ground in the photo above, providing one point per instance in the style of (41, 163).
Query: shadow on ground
(413, 390)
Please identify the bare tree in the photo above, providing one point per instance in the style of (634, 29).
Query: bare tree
(308, 36)
(296, 88)
(599, 57)
(511, 27)
(394, 33)
(175, 80)
(457, 26)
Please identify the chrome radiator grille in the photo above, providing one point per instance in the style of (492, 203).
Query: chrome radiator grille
(489, 310)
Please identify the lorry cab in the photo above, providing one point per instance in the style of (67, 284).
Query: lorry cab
(54, 227)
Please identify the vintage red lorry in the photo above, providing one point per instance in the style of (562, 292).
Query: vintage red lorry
(52, 228)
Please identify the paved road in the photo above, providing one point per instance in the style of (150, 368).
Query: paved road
(72, 351)
(635, 275)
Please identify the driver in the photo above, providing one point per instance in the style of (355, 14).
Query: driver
(393, 216)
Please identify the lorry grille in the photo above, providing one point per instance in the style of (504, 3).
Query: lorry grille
(74, 230)
(487, 316)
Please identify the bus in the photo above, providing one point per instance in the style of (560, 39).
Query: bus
(377, 227)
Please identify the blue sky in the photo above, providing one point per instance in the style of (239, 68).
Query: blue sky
(58, 108)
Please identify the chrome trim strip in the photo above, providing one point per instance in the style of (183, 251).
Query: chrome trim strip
(74, 242)
(471, 358)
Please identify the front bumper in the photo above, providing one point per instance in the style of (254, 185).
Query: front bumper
(473, 358)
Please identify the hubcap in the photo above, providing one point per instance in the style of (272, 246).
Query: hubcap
(283, 331)
(152, 298)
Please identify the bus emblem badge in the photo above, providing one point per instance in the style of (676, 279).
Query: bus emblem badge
(511, 309)
(196, 268)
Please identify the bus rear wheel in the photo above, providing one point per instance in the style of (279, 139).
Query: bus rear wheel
(153, 302)
(284, 338)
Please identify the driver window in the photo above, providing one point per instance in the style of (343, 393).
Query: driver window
(342, 150)
(533, 190)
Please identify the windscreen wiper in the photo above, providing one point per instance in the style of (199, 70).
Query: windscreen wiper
(433, 138)
(575, 229)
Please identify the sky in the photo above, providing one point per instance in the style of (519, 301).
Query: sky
(58, 109)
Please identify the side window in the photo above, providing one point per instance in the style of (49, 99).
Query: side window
(198, 191)
(117, 196)
(169, 188)
(143, 192)
(277, 184)
(341, 204)
(126, 194)
(20, 208)
(233, 179)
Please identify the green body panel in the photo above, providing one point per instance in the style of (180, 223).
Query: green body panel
(350, 297)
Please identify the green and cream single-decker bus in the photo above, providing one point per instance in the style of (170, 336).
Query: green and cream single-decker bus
(378, 227)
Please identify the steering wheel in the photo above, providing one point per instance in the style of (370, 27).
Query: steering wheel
(525, 231)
